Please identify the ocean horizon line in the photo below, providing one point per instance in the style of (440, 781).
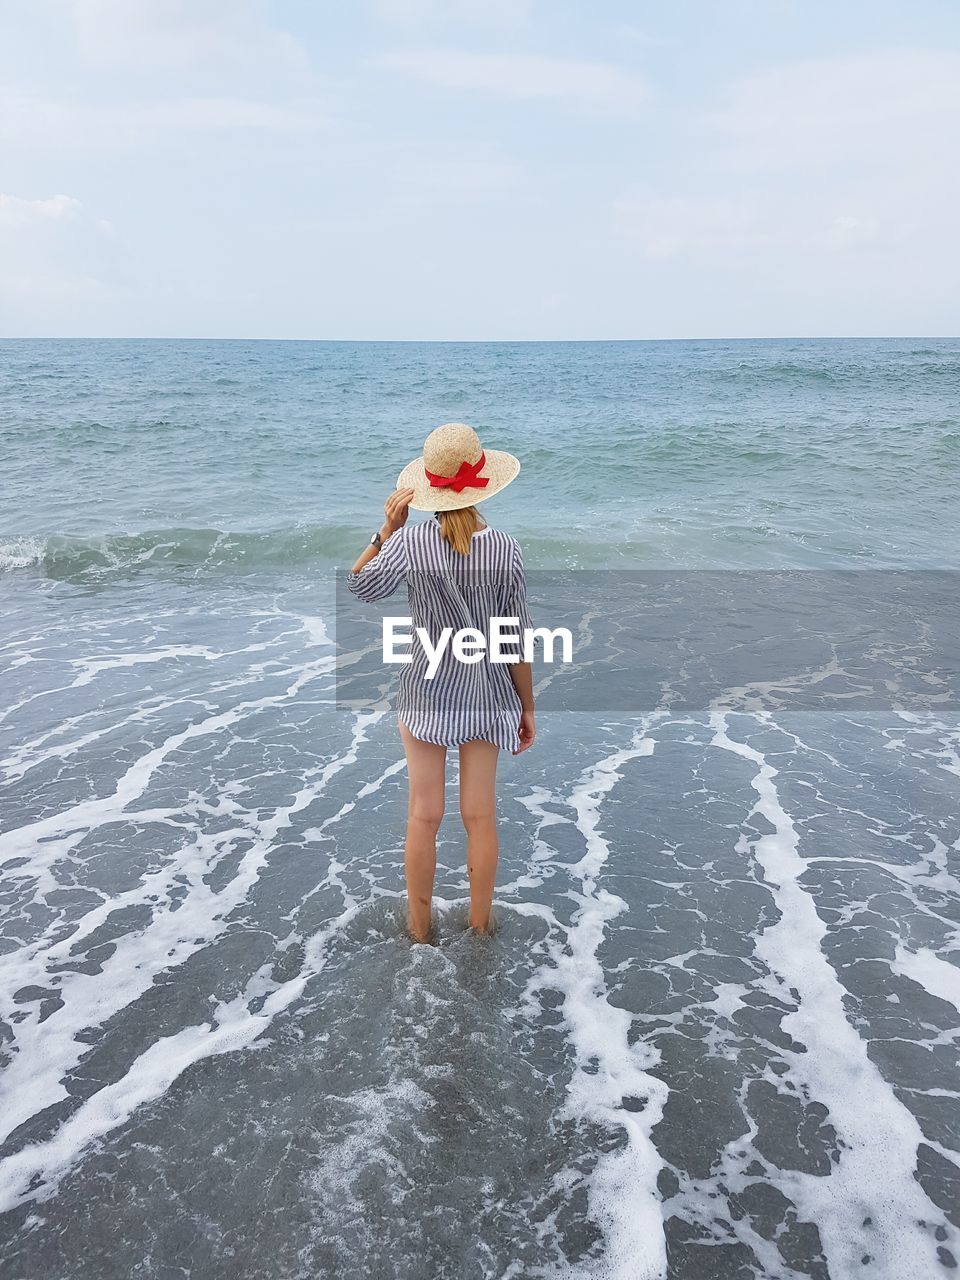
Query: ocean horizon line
(487, 342)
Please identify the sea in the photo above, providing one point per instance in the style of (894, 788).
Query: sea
(714, 1033)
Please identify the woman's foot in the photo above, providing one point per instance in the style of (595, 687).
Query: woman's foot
(485, 927)
(417, 930)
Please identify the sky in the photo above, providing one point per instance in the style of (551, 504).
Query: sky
(479, 169)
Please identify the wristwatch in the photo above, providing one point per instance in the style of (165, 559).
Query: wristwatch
(376, 540)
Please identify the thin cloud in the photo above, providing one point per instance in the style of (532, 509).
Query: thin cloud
(456, 175)
(229, 113)
(42, 290)
(46, 121)
(879, 106)
(665, 227)
(20, 210)
(639, 36)
(177, 34)
(50, 249)
(817, 166)
(520, 76)
(480, 13)
(46, 217)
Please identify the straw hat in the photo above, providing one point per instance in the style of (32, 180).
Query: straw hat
(455, 470)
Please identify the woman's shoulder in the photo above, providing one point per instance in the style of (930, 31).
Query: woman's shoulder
(423, 543)
(504, 548)
(422, 529)
(510, 541)
(426, 534)
(501, 535)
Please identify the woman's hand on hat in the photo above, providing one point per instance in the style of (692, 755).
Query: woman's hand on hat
(396, 509)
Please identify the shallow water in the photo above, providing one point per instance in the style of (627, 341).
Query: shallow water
(715, 1032)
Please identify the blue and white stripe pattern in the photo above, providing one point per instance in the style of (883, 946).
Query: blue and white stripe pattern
(463, 701)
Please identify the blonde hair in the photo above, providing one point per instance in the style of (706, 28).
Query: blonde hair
(458, 527)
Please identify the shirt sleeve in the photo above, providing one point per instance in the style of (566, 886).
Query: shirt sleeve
(383, 574)
(518, 607)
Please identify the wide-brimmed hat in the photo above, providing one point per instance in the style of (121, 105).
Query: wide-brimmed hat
(455, 470)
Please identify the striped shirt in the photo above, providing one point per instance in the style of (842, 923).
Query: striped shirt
(462, 701)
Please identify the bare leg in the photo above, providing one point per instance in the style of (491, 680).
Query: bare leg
(425, 773)
(478, 808)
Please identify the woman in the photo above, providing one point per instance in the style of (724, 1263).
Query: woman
(459, 572)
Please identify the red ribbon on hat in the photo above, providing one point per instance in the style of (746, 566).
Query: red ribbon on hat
(467, 477)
